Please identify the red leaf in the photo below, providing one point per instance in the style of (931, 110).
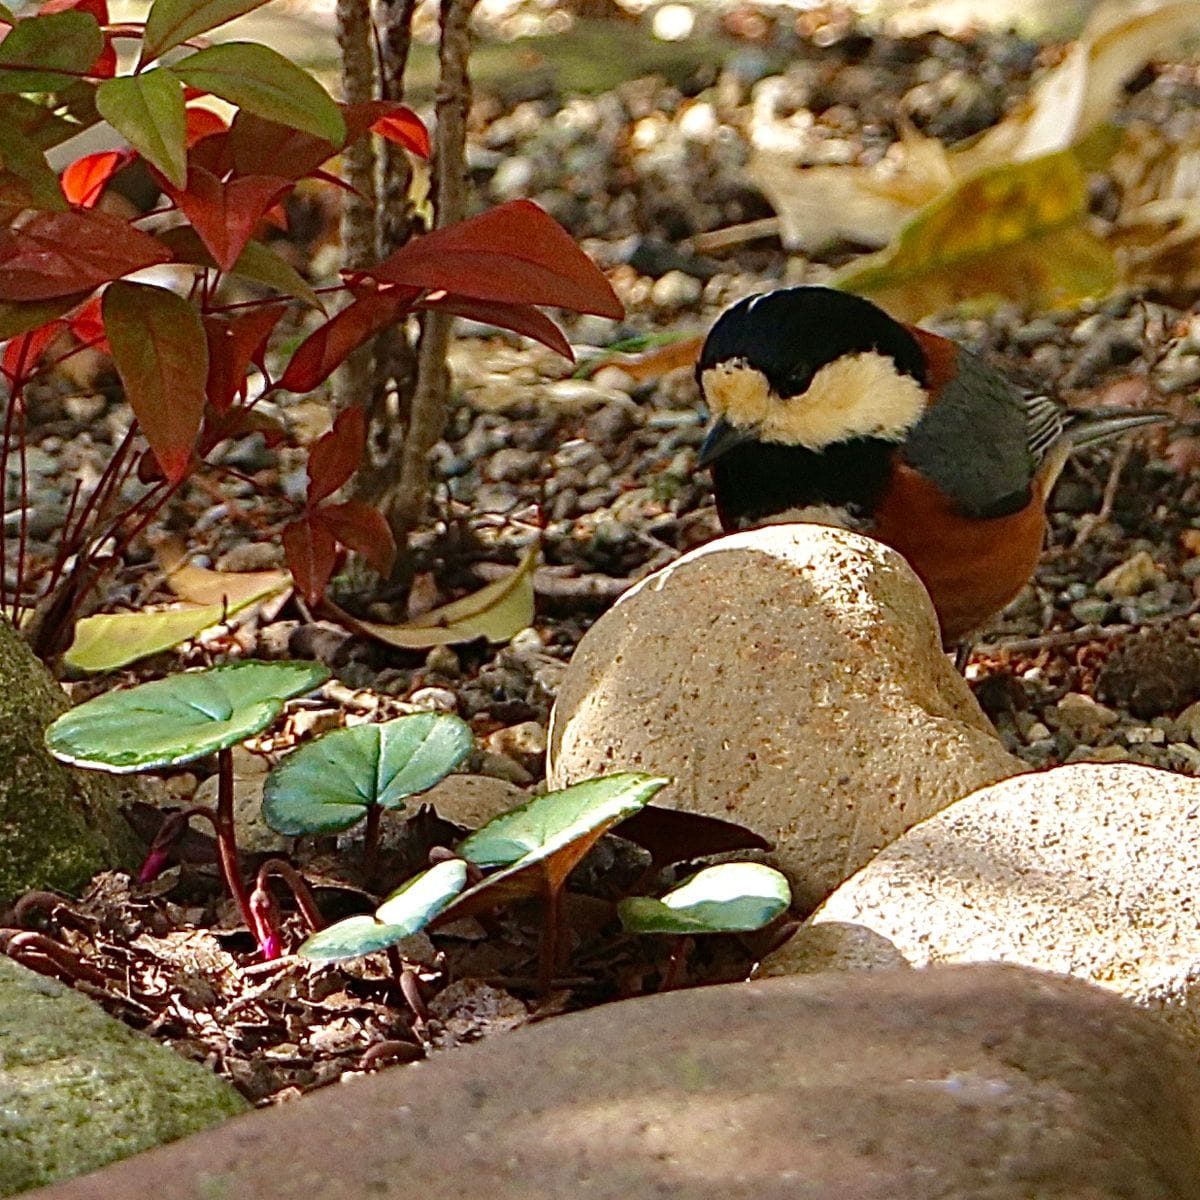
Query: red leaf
(262, 147)
(311, 554)
(234, 342)
(105, 66)
(98, 8)
(225, 214)
(237, 422)
(84, 181)
(57, 254)
(161, 354)
(335, 456)
(517, 254)
(210, 152)
(362, 528)
(520, 318)
(22, 353)
(328, 346)
(390, 119)
(88, 325)
(202, 123)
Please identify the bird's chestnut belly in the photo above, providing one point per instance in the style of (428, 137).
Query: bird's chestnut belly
(971, 567)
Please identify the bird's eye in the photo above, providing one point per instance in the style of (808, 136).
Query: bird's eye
(796, 380)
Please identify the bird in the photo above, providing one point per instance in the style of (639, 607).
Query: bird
(823, 408)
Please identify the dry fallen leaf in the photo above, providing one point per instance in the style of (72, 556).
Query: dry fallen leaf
(496, 612)
(1018, 232)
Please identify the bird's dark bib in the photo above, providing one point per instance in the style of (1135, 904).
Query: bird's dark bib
(758, 480)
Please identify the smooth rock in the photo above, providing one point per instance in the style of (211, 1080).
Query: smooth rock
(789, 678)
(980, 1083)
(473, 800)
(1089, 870)
(79, 1089)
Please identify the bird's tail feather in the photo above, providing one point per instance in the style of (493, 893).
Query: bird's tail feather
(1098, 425)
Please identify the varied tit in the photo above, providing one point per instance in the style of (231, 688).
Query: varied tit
(825, 409)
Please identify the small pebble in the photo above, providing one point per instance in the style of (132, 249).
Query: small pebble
(500, 766)
(444, 661)
(251, 556)
(1078, 712)
(525, 743)
(1133, 576)
(438, 699)
(1091, 611)
(86, 408)
(1189, 720)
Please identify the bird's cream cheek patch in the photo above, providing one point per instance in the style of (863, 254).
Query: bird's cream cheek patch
(736, 391)
(860, 395)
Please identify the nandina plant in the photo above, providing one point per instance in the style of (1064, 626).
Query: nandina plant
(196, 365)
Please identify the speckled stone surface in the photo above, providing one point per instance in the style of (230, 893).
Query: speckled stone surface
(78, 1089)
(791, 679)
(992, 1083)
(1088, 869)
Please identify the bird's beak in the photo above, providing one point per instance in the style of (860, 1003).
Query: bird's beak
(721, 438)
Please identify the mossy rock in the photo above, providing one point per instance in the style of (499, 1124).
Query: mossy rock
(59, 825)
(78, 1089)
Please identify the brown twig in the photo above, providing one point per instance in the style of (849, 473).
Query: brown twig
(428, 416)
(1092, 521)
(354, 33)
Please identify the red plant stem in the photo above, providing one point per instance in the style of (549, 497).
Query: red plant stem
(410, 989)
(391, 1050)
(227, 838)
(674, 974)
(299, 889)
(548, 951)
(23, 520)
(13, 400)
(371, 845)
(60, 956)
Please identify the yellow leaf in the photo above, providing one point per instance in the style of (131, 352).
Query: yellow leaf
(496, 612)
(1081, 93)
(233, 588)
(1015, 232)
(111, 640)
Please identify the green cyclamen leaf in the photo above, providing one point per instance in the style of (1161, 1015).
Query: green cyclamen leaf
(728, 898)
(405, 912)
(329, 784)
(180, 718)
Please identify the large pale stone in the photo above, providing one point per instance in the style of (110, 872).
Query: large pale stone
(981, 1083)
(78, 1089)
(1089, 869)
(789, 678)
(59, 825)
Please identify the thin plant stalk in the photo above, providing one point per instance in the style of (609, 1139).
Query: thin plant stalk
(296, 885)
(371, 842)
(227, 837)
(674, 975)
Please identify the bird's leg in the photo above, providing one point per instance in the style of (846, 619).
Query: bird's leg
(962, 654)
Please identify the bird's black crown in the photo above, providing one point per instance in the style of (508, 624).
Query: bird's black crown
(790, 334)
